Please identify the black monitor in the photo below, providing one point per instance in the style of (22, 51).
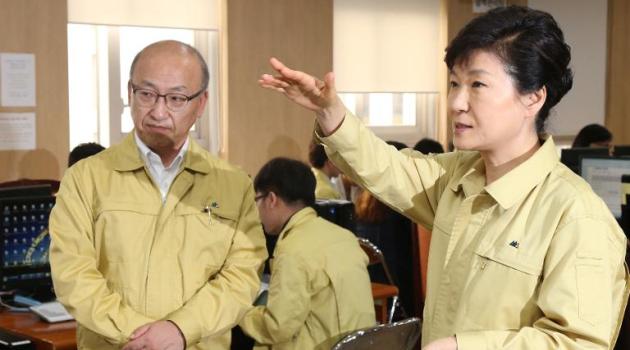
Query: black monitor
(625, 204)
(604, 175)
(340, 212)
(571, 156)
(24, 243)
(621, 151)
(26, 191)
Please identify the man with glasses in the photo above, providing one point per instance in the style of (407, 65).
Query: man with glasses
(155, 243)
(319, 288)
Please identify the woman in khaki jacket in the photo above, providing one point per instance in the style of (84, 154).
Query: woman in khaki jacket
(523, 254)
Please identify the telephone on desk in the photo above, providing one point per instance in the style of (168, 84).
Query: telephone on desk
(51, 311)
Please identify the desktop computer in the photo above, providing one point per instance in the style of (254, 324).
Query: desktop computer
(621, 151)
(24, 241)
(340, 212)
(604, 174)
(625, 204)
(571, 156)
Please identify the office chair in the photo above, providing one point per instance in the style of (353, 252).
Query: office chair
(401, 335)
(381, 292)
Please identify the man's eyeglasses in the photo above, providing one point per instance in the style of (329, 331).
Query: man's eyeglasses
(174, 101)
(260, 196)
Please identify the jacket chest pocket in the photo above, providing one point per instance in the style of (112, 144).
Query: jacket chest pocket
(207, 236)
(502, 289)
(122, 230)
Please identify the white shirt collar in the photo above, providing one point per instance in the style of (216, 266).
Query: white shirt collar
(162, 176)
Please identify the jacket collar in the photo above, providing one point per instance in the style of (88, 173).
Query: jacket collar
(128, 157)
(513, 186)
(299, 217)
(473, 180)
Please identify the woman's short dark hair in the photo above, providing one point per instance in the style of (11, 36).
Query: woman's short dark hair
(592, 133)
(289, 179)
(529, 43)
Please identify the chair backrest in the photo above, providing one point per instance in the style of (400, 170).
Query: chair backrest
(375, 255)
(371, 250)
(402, 335)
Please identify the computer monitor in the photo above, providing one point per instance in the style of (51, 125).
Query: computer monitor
(24, 243)
(571, 156)
(340, 212)
(621, 151)
(26, 191)
(604, 175)
(625, 204)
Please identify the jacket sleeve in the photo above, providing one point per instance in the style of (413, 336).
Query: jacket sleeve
(408, 181)
(287, 307)
(582, 296)
(223, 300)
(79, 285)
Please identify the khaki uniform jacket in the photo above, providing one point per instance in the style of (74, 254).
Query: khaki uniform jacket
(319, 289)
(535, 260)
(324, 188)
(121, 258)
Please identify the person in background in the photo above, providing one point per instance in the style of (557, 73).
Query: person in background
(427, 145)
(524, 255)
(593, 135)
(157, 244)
(391, 232)
(83, 150)
(324, 171)
(319, 288)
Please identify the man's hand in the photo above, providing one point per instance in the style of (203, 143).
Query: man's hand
(159, 335)
(449, 343)
(309, 92)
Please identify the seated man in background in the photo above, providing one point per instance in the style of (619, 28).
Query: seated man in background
(156, 244)
(324, 171)
(593, 135)
(427, 145)
(319, 288)
(83, 150)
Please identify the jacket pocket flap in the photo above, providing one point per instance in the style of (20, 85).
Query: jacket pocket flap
(508, 257)
(220, 212)
(136, 207)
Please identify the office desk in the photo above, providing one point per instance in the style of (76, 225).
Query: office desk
(45, 336)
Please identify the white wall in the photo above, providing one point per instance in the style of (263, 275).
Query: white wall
(584, 23)
(386, 46)
(190, 14)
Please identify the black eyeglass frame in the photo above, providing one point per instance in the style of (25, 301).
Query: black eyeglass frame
(260, 196)
(135, 88)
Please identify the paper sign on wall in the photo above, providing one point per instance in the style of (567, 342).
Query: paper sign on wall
(17, 80)
(17, 131)
(481, 6)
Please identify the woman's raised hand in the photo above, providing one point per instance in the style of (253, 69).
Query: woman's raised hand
(309, 92)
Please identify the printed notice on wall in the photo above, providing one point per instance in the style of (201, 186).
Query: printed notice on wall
(481, 6)
(17, 80)
(17, 131)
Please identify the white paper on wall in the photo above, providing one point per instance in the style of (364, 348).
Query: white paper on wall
(17, 80)
(17, 131)
(481, 6)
